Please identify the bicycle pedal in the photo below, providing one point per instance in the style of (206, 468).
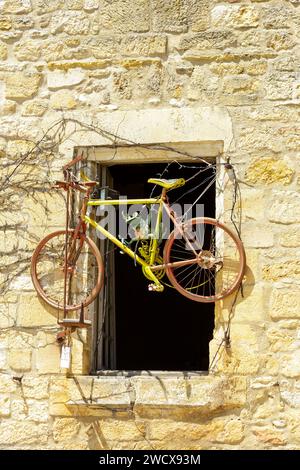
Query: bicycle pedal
(155, 288)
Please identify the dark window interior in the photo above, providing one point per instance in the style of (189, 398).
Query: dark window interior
(157, 331)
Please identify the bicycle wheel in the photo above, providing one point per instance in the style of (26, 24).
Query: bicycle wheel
(84, 276)
(205, 261)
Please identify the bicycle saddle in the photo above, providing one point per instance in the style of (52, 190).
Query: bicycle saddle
(168, 184)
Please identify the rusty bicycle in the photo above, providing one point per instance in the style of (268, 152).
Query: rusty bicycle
(203, 259)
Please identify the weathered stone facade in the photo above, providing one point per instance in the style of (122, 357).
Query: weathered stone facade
(85, 60)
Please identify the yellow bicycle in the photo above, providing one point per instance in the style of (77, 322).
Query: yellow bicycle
(67, 268)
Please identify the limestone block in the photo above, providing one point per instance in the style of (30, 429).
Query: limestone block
(279, 340)
(262, 138)
(207, 394)
(122, 430)
(23, 433)
(62, 99)
(3, 357)
(5, 23)
(269, 364)
(242, 357)
(58, 390)
(72, 42)
(233, 432)
(8, 107)
(202, 84)
(256, 235)
(230, 68)
(291, 398)
(122, 16)
(253, 203)
(22, 85)
(284, 207)
(33, 312)
(280, 85)
(19, 359)
(290, 365)
(7, 315)
(249, 308)
(38, 410)
(23, 23)
(290, 137)
(16, 148)
(75, 4)
(70, 22)
(240, 90)
(57, 80)
(277, 17)
(74, 64)
(16, 6)
(20, 339)
(290, 269)
(90, 5)
(103, 46)
(4, 405)
(268, 170)
(269, 437)
(7, 384)
(48, 359)
(36, 107)
(52, 50)
(3, 51)
(294, 430)
(35, 387)
(65, 429)
(278, 40)
(268, 408)
(27, 50)
(285, 63)
(285, 303)
(107, 391)
(206, 40)
(143, 45)
(48, 213)
(198, 17)
(80, 359)
(21, 283)
(236, 16)
(256, 67)
(169, 16)
(291, 239)
(172, 431)
(44, 6)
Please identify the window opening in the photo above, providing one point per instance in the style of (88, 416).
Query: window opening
(141, 330)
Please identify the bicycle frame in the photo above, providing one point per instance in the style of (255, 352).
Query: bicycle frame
(162, 201)
(150, 267)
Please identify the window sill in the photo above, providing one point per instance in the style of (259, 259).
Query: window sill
(146, 394)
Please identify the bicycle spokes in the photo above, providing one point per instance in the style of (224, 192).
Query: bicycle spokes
(212, 268)
(67, 282)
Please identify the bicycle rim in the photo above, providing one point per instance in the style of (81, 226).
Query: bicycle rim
(83, 281)
(216, 255)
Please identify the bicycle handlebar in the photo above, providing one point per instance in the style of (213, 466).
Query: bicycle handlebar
(73, 162)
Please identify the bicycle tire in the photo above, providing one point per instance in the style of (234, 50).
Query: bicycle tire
(38, 285)
(188, 292)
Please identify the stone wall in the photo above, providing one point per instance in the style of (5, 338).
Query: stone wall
(79, 59)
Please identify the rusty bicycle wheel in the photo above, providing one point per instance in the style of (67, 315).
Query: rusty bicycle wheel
(83, 278)
(205, 260)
